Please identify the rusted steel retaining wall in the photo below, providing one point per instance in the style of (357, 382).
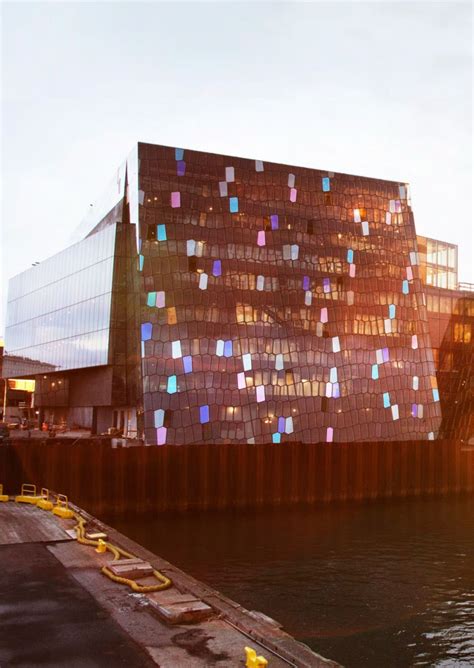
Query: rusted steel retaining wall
(149, 479)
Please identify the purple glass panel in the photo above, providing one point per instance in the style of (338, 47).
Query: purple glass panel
(161, 435)
(175, 200)
(217, 268)
(204, 414)
(147, 328)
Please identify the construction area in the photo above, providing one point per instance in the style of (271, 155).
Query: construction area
(74, 592)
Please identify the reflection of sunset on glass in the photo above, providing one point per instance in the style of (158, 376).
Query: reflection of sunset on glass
(237, 319)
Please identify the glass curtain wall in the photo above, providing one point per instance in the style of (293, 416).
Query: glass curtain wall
(58, 313)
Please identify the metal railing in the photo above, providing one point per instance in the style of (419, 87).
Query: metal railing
(466, 287)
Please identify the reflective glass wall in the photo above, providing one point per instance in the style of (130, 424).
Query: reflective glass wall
(439, 263)
(451, 322)
(58, 313)
(279, 303)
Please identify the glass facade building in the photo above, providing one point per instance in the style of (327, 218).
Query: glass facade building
(439, 263)
(239, 301)
(58, 312)
(279, 303)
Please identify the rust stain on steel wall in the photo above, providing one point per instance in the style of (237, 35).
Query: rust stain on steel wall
(150, 479)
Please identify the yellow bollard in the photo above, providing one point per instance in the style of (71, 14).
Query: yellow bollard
(44, 503)
(101, 547)
(28, 494)
(254, 661)
(3, 497)
(61, 508)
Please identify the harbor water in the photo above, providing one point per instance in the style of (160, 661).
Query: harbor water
(382, 584)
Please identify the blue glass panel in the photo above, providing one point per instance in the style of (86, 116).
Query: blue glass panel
(159, 417)
(188, 364)
(405, 287)
(391, 310)
(161, 232)
(414, 410)
(141, 260)
(181, 168)
(375, 371)
(336, 393)
(179, 153)
(386, 400)
(281, 424)
(172, 385)
(147, 328)
(234, 204)
(274, 221)
(217, 268)
(276, 438)
(228, 349)
(151, 299)
(204, 414)
(350, 256)
(326, 184)
(305, 282)
(435, 395)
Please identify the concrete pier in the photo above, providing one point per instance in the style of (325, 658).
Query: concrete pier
(58, 609)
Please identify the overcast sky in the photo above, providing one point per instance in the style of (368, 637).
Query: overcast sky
(378, 89)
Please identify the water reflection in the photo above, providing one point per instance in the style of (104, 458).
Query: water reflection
(388, 584)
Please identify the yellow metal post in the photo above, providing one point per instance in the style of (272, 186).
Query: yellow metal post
(254, 661)
(101, 546)
(61, 508)
(44, 503)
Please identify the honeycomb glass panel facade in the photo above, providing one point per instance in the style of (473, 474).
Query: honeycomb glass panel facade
(278, 303)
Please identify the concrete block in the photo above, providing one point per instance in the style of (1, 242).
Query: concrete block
(182, 612)
(131, 568)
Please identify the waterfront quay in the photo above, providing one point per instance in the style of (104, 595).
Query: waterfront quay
(59, 609)
(124, 480)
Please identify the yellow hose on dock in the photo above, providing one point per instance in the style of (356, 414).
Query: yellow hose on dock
(118, 552)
